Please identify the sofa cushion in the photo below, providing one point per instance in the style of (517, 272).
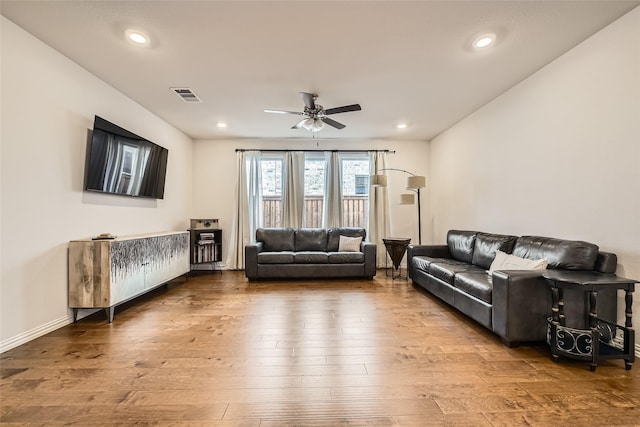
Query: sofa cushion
(486, 245)
(422, 263)
(310, 257)
(275, 257)
(334, 234)
(511, 262)
(476, 283)
(461, 244)
(349, 244)
(446, 272)
(564, 254)
(311, 239)
(346, 257)
(276, 239)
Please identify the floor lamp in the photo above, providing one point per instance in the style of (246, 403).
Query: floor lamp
(414, 183)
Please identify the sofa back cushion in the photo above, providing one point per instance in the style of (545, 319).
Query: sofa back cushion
(276, 239)
(333, 240)
(560, 254)
(461, 244)
(311, 239)
(486, 246)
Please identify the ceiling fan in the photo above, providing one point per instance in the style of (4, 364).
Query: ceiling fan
(315, 116)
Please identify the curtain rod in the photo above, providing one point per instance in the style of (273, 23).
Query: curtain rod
(331, 151)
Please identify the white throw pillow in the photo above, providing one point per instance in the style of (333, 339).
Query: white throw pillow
(349, 244)
(504, 261)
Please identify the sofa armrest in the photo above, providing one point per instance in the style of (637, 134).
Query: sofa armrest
(370, 250)
(434, 251)
(606, 262)
(251, 252)
(521, 302)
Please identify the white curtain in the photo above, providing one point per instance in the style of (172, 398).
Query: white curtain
(332, 215)
(378, 226)
(293, 189)
(248, 209)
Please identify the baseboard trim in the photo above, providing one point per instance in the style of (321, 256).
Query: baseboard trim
(34, 333)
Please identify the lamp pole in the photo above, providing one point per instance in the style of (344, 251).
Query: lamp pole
(419, 219)
(419, 184)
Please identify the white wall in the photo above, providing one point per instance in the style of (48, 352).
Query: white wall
(558, 155)
(48, 105)
(215, 176)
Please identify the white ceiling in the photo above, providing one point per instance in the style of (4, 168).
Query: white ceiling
(402, 61)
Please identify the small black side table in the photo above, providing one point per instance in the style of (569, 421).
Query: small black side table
(396, 248)
(603, 340)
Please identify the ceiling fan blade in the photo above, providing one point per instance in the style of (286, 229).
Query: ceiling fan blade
(299, 124)
(309, 100)
(282, 112)
(343, 109)
(333, 123)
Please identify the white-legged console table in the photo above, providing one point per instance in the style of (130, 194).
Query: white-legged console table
(106, 273)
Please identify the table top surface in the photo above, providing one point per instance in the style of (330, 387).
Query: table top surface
(396, 239)
(586, 278)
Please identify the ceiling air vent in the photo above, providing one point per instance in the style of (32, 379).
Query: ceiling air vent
(186, 94)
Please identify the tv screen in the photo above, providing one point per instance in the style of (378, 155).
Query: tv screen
(121, 162)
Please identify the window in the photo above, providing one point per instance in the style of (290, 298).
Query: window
(314, 188)
(355, 190)
(354, 187)
(271, 177)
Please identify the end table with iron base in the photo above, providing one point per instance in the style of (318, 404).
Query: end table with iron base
(603, 340)
(396, 248)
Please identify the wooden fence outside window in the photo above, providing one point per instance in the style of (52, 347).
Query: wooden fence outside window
(355, 209)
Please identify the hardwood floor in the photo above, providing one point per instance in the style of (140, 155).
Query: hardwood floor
(220, 351)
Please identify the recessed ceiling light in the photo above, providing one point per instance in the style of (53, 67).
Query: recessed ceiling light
(484, 40)
(401, 126)
(137, 37)
(222, 125)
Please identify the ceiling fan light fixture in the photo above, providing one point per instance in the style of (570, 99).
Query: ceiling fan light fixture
(313, 124)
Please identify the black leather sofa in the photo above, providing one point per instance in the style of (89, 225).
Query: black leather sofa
(515, 304)
(287, 253)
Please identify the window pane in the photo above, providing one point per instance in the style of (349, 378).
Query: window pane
(313, 193)
(355, 192)
(314, 177)
(271, 177)
(271, 171)
(353, 172)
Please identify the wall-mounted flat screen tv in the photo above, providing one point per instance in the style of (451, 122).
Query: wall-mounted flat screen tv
(121, 162)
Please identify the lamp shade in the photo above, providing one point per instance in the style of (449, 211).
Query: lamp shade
(414, 182)
(378, 180)
(407, 199)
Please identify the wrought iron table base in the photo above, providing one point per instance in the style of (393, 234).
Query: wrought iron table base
(396, 248)
(603, 340)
